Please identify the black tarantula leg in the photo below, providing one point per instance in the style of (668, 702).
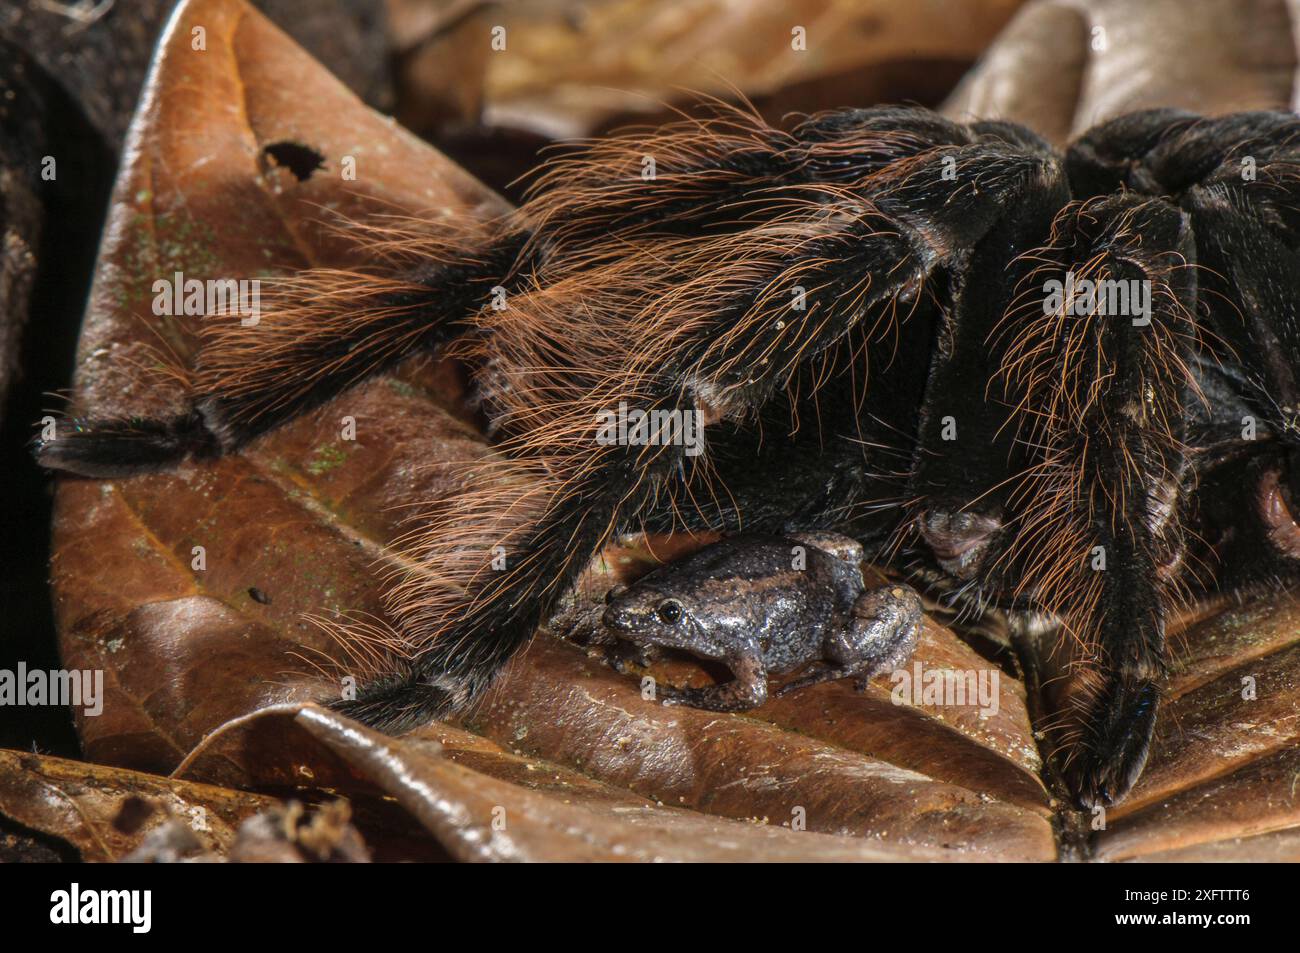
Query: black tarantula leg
(708, 327)
(323, 331)
(1105, 388)
(1237, 177)
(963, 458)
(1248, 236)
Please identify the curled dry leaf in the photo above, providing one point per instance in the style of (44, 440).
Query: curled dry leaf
(106, 813)
(191, 588)
(484, 803)
(291, 524)
(1061, 67)
(574, 69)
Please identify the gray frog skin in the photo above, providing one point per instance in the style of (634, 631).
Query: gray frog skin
(743, 602)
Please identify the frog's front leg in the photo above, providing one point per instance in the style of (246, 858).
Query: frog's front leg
(747, 690)
(881, 633)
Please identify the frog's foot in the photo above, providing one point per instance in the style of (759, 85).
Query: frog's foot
(821, 672)
(748, 689)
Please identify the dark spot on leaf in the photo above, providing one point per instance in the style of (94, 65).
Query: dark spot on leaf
(134, 811)
(301, 160)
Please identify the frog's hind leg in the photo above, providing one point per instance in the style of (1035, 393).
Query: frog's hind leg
(841, 547)
(881, 634)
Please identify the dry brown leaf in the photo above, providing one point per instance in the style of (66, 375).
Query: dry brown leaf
(510, 808)
(570, 69)
(115, 814)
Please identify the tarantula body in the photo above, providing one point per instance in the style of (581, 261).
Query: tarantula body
(856, 308)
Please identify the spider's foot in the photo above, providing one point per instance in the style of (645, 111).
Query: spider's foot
(122, 447)
(1121, 724)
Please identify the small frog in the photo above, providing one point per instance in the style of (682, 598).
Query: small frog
(766, 605)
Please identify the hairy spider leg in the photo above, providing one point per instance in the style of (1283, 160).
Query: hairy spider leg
(1236, 176)
(1105, 391)
(325, 331)
(1250, 250)
(965, 454)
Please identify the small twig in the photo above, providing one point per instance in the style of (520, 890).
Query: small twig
(82, 13)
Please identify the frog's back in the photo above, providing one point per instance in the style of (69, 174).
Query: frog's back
(787, 592)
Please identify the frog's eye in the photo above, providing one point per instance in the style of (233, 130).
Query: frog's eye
(669, 611)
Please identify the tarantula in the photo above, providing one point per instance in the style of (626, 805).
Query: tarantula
(893, 325)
